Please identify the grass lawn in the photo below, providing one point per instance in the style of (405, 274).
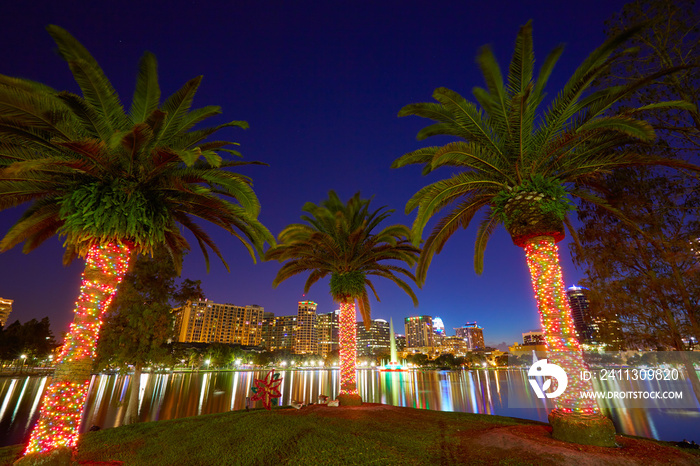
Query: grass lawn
(369, 434)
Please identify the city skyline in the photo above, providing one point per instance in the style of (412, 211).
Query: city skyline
(321, 98)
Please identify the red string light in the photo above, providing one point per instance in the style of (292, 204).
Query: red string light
(562, 343)
(64, 400)
(348, 348)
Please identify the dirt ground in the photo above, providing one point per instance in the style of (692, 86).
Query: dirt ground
(529, 444)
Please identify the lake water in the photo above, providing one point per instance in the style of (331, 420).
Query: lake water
(175, 395)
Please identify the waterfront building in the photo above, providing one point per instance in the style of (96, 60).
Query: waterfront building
(285, 333)
(400, 342)
(580, 312)
(208, 322)
(268, 335)
(419, 332)
(593, 329)
(532, 341)
(473, 335)
(454, 345)
(438, 326)
(5, 310)
(306, 339)
(533, 338)
(328, 333)
(606, 333)
(373, 340)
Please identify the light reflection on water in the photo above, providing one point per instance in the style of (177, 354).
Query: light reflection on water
(176, 395)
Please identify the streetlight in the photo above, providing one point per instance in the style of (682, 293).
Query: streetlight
(24, 359)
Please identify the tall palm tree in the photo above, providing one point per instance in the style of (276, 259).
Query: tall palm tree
(113, 184)
(519, 164)
(340, 240)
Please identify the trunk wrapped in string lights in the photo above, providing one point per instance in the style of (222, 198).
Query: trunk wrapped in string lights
(518, 162)
(348, 348)
(339, 239)
(64, 400)
(562, 343)
(535, 223)
(112, 184)
(345, 288)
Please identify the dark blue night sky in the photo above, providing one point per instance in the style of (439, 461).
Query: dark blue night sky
(320, 84)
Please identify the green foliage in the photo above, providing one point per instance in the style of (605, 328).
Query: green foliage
(114, 210)
(643, 273)
(140, 321)
(350, 284)
(190, 290)
(340, 239)
(505, 140)
(94, 173)
(32, 338)
(669, 39)
(398, 436)
(554, 198)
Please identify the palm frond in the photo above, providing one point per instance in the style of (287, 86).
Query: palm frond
(147, 91)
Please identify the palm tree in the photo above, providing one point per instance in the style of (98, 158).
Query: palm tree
(113, 184)
(339, 240)
(519, 164)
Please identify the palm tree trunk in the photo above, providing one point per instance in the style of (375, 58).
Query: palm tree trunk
(562, 343)
(348, 348)
(563, 349)
(64, 399)
(132, 410)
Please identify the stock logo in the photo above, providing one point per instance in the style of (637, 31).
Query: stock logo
(548, 371)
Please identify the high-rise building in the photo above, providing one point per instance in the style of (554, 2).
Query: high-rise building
(438, 326)
(473, 336)
(419, 331)
(5, 310)
(580, 312)
(596, 330)
(306, 340)
(400, 342)
(327, 333)
(373, 340)
(268, 336)
(208, 322)
(606, 332)
(279, 333)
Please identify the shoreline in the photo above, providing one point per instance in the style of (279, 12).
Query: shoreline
(354, 435)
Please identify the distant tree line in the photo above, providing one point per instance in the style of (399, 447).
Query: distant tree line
(33, 339)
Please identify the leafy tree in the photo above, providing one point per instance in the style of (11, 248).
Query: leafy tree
(190, 290)
(113, 183)
(670, 38)
(650, 280)
(339, 239)
(417, 359)
(648, 274)
(34, 339)
(520, 164)
(140, 321)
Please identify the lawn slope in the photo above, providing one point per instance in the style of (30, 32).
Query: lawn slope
(368, 434)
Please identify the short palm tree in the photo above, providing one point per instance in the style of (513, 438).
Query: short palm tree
(519, 164)
(113, 184)
(340, 240)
